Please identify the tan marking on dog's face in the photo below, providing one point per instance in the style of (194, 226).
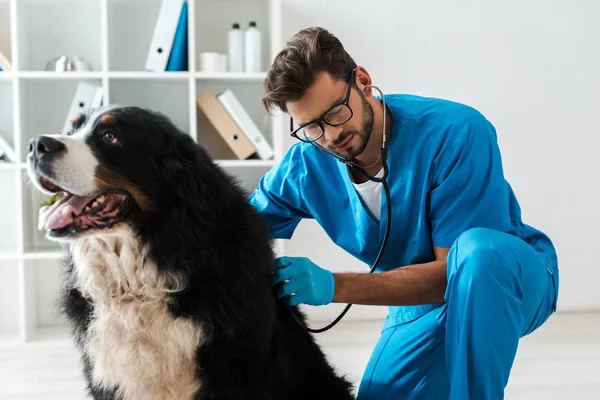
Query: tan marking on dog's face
(107, 179)
(108, 120)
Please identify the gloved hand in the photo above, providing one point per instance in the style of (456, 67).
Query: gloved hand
(309, 283)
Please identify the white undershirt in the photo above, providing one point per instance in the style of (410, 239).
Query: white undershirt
(370, 193)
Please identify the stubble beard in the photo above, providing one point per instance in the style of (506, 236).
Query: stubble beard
(361, 138)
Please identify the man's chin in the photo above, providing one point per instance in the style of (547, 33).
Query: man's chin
(354, 149)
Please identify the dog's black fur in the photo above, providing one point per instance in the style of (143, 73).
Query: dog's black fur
(202, 227)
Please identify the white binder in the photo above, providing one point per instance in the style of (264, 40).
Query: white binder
(164, 34)
(245, 123)
(87, 96)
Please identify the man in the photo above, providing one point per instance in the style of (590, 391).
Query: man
(464, 278)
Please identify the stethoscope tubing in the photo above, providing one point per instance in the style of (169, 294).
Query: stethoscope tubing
(383, 181)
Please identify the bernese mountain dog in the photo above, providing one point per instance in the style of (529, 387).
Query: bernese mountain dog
(166, 282)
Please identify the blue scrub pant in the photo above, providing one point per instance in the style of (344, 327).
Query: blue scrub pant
(499, 290)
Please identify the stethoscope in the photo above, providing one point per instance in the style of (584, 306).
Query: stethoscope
(382, 180)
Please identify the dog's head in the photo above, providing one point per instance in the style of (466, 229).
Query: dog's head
(113, 166)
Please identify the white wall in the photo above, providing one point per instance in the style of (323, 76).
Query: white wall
(531, 67)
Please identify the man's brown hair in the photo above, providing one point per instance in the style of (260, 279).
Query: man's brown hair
(306, 54)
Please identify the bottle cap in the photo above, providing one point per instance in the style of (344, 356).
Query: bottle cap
(252, 23)
(236, 26)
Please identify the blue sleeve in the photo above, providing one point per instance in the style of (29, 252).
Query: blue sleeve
(469, 189)
(278, 196)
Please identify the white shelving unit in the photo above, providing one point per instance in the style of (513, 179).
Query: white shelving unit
(114, 36)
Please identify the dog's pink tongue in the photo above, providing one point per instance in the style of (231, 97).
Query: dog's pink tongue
(60, 214)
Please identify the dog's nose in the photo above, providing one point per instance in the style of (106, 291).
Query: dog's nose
(45, 145)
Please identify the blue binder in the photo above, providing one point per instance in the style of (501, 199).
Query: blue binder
(178, 59)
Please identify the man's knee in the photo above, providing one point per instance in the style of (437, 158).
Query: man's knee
(477, 254)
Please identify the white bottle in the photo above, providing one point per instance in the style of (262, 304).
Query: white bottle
(235, 44)
(252, 52)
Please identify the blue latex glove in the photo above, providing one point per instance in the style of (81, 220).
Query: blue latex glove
(307, 283)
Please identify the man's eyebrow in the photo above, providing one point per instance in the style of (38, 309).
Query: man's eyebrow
(335, 103)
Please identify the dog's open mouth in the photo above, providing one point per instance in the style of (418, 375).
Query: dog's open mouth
(72, 213)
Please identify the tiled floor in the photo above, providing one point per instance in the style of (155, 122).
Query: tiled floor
(559, 361)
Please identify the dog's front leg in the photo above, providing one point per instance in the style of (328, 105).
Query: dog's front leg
(103, 394)
(96, 392)
(234, 367)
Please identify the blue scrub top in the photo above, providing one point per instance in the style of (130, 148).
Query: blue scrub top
(445, 177)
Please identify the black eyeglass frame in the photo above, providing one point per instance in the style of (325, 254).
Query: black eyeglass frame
(319, 121)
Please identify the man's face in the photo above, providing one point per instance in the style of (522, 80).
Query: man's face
(347, 140)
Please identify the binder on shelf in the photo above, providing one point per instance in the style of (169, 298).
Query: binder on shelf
(5, 64)
(87, 96)
(211, 139)
(178, 59)
(164, 35)
(243, 120)
(7, 153)
(220, 119)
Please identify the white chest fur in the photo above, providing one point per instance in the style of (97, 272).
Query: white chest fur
(134, 342)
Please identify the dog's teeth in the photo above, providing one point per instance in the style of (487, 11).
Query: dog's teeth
(101, 198)
(88, 208)
(95, 203)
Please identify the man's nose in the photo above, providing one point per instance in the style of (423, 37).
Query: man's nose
(41, 145)
(332, 133)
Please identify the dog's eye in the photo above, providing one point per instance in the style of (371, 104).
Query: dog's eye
(110, 137)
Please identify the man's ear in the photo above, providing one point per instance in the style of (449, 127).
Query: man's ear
(362, 79)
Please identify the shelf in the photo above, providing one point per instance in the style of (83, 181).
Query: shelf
(144, 75)
(232, 76)
(149, 75)
(50, 75)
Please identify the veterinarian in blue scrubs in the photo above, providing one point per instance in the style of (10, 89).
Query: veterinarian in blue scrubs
(463, 276)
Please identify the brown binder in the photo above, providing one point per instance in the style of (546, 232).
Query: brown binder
(220, 119)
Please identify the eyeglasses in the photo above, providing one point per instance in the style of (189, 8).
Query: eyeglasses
(338, 114)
